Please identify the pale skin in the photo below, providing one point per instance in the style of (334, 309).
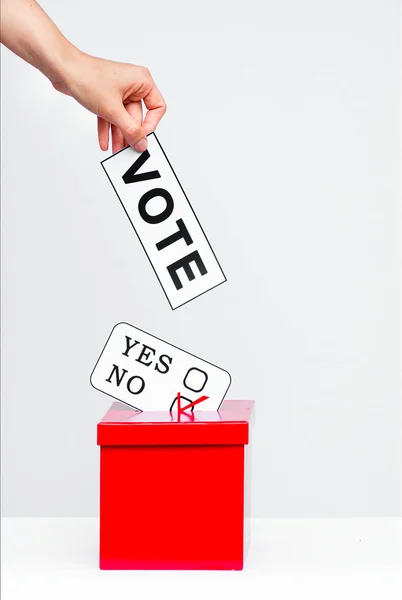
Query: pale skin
(115, 92)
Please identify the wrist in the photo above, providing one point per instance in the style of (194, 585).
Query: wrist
(61, 63)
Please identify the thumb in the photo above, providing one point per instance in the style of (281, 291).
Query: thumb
(131, 129)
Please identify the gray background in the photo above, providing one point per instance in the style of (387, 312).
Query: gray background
(283, 127)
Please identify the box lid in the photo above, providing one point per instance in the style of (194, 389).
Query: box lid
(124, 426)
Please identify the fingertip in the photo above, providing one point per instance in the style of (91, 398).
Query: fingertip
(152, 119)
(148, 128)
(103, 134)
(141, 146)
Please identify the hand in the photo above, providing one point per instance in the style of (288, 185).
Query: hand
(115, 92)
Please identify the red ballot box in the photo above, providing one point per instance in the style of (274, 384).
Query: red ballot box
(174, 490)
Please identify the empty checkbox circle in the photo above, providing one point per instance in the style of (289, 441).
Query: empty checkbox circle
(195, 379)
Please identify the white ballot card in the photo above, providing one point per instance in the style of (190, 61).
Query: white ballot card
(147, 373)
(165, 222)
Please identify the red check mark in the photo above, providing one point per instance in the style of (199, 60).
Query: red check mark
(182, 410)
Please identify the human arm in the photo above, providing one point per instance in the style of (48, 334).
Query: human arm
(113, 91)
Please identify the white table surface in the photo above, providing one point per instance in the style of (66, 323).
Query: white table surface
(323, 559)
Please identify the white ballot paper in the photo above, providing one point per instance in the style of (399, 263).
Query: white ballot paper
(165, 222)
(147, 373)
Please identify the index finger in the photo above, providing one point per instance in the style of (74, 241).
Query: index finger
(156, 109)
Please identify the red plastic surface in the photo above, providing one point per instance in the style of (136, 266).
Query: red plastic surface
(124, 426)
(173, 506)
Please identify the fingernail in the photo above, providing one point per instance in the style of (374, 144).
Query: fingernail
(141, 145)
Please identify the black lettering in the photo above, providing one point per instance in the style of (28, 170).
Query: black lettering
(162, 356)
(128, 347)
(142, 384)
(119, 378)
(182, 233)
(131, 176)
(165, 214)
(145, 355)
(184, 263)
